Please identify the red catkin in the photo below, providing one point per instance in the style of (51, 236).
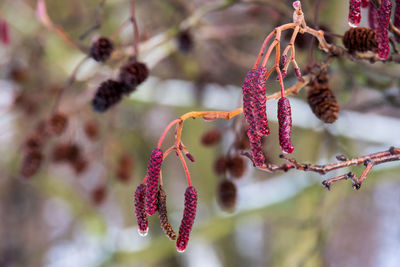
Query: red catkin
(140, 210)
(4, 33)
(153, 175)
(354, 13)
(384, 12)
(364, 3)
(256, 148)
(260, 101)
(189, 214)
(396, 21)
(285, 125)
(248, 96)
(372, 17)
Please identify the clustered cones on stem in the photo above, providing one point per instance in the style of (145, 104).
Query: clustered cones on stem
(189, 214)
(110, 92)
(360, 39)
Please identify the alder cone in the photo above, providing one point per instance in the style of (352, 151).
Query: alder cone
(108, 94)
(211, 137)
(101, 49)
(323, 102)
(31, 163)
(360, 39)
(227, 194)
(57, 123)
(132, 74)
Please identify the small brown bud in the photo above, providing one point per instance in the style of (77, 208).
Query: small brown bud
(91, 129)
(124, 168)
(236, 166)
(220, 165)
(227, 194)
(57, 124)
(211, 137)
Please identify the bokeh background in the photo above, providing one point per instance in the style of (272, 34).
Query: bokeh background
(198, 53)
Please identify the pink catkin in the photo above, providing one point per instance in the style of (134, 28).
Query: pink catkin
(260, 101)
(364, 3)
(248, 98)
(285, 125)
(248, 110)
(382, 34)
(189, 214)
(354, 13)
(396, 21)
(153, 175)
(256, 148)
(140, 209)
(372, 16)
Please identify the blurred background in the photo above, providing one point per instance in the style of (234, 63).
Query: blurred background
(57, 211)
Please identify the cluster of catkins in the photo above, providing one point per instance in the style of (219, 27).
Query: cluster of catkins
(254, 109)
(379, 13)
(110, 92)
(150, 198)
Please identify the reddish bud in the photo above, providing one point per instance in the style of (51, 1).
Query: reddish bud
(153, 175)
(189, 214)
(140, 210)
(285, 125)
(354, 13)
(190, 157)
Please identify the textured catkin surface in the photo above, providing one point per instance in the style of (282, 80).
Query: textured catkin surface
(260, 101)
(153, 175)
(396, 21)
(162, 214)
(360, 39)
(354, 12)
(285, 125)
(384, 12)
(140, 208)
(189, 214)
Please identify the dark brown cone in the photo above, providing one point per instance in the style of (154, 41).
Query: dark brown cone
(80, 165)
(162, 214)
(227, 193)
(220, 165)
(31, 163)
(91, 129)
(211, 137)
(57, 124)
(33, 142)
(236, 166)
(99, 194)
(185, 41)
(108, 94)
(360, 39)
(66, 152)
(101, 49)
(124, 168)
(323, 102)
(132, 74)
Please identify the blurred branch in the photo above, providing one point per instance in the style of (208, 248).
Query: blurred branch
(99, 20)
